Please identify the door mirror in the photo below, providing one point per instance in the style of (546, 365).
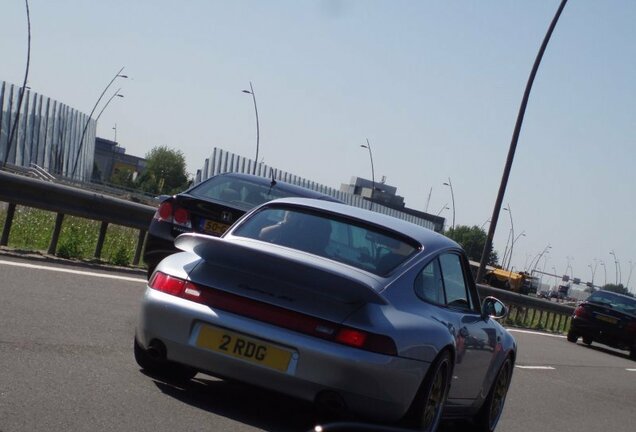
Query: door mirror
(493, 308)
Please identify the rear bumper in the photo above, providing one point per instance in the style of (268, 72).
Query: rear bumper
(377, 386)
(614, 337)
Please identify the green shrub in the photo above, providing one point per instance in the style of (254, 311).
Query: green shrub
(121, 257)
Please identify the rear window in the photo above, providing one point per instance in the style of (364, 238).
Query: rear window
(239, 192)
(614, 301)
(350, 242)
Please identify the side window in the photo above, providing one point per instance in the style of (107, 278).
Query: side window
(428, 284)
(454, 281)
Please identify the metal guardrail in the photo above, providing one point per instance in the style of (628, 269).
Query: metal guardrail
(65, 200)
(531, 312)
(21, 190)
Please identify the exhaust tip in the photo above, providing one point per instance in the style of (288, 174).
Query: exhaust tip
(157, 350)
(331, 402)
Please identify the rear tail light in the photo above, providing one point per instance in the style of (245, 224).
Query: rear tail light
(182, 217)
(631, 327)
(176, 215)
(275, 315)
(164, 212)
(581, 312)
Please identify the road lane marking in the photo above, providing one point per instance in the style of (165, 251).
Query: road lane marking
(535, 367)
(535, 333)
(630, 370)
(79, 272)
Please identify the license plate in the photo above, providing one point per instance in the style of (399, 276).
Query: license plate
(606, 319)
(214, 227)
(244, 347)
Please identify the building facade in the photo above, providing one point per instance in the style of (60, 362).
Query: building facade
(45, 132)
(111, 158)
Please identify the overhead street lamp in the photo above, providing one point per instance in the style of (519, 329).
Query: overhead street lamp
(616, 264)
(513, 145)
(442, 209)
(514, 241)
(116, 94)
(368, 147)
(593, 271)
(450, 185)
(511, 234)
(538, 257)
(258, 132)
(631, 267)
(79, 150)
(604, 272)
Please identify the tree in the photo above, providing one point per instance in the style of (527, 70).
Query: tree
(165, 171)
(620, 289)
(472, 239)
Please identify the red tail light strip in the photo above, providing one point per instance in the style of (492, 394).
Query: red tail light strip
(275, 315)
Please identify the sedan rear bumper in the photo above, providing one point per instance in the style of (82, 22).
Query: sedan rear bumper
(378, 386)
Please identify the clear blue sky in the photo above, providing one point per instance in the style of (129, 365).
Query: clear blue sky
(434, 85)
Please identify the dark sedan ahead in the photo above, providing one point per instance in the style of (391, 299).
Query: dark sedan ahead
(211, 207)
(608, 318)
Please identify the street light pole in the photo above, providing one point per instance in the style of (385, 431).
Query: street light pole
(258, 131)
(615, 266)
(442, 209)
(522, 234)
(368, 147)
(513, 146)
(604, 272)
(631, 267)
(117, 75)
(512, 233)
(450, 185)
(116, 94)
(22, 89)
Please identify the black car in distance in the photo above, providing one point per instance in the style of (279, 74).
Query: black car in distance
(210, 207)
(607, 318)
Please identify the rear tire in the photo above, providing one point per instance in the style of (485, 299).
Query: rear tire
(587, 340)
(572, 337)
(161, 368)
(490, 412)
(425, 413)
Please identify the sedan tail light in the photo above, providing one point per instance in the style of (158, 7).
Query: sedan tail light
(164, 212)
(581, 312)
(631, 327)
(167, 212)
(275, 315)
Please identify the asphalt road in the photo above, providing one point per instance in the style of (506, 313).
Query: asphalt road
(66, 364)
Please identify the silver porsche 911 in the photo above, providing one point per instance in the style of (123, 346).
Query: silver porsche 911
(333, 304)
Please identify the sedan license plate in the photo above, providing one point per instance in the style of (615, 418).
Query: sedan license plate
(244, 347)
(213, 227)
(606, 319)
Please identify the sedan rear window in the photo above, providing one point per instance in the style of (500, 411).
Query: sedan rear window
(238, 191)
(614, 301)
(350, 242)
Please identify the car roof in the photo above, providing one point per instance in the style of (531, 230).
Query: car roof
(424, 236)
(280, 185)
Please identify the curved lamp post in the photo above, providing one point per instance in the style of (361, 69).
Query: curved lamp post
(522, 234)
(368, 147)
(450, 185)
(22, 89)
(631, 267)
(116, 94)
(258, 132)
(513, 145)
(604, 271)
(615, 266)
(511, 234)
(117, 75)
(442, 209)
